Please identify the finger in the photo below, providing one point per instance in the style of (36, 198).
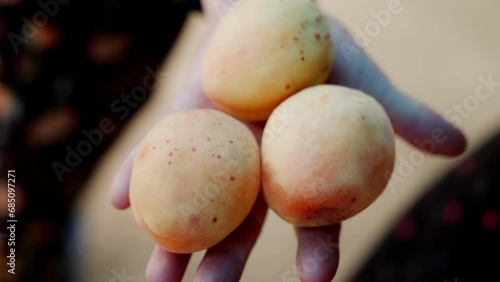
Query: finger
(318, 253)
(412, 120)
(164, 266)
(226, 260)
(120, 185)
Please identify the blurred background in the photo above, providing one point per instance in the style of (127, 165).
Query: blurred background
(82, 82)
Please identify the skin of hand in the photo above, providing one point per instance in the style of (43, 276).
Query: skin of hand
(225, 262)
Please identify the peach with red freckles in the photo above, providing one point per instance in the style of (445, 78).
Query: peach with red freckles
(263, 51)
(195, 179)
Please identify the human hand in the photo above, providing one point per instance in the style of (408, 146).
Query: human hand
(225, 261)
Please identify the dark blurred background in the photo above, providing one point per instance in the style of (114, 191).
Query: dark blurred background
(64, 66)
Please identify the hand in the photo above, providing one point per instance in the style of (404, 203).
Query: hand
(225, 261)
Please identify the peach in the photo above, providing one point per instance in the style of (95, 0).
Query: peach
(195, 178)
(327, 154)
(263, 51)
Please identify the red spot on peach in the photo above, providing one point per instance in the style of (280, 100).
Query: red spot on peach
(288, 86)
(168, 141)
(175, 149)
(169, 163)
(208, 138)
(154, 147)
(230, 141)
(170, 154)
(232, 178)
(317, 36)
(194, 220)
(219, 157)
(193, 149)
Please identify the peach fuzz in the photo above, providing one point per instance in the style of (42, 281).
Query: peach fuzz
(263, 51)
(194, 180)
(330, 159)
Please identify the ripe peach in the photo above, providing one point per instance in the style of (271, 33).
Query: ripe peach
(263, 51)
(195, 178)
(327, 153)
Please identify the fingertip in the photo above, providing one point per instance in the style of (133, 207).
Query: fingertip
(119, 192)
(431, 133)
(166, 266)
(317, 253)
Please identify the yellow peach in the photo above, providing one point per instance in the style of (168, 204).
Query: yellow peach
(327, 154)
(263, 51)
(195, 178)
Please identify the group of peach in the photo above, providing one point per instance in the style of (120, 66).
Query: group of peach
(325, 149)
